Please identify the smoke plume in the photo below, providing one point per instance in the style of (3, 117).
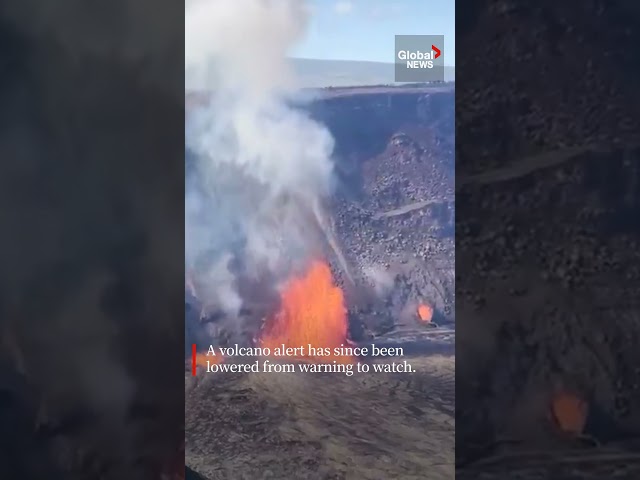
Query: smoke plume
(258, 168)
(87, 141)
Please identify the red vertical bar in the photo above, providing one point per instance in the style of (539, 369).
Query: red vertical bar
(193, 360)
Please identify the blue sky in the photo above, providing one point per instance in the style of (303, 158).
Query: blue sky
(364, 29)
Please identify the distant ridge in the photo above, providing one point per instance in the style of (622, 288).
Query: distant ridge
(313, 73)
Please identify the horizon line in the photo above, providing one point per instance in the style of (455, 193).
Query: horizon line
(342, 60)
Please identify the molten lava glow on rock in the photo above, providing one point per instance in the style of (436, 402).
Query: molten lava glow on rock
(312, 312)
(569, 413)
(425, 312)
(203, 358)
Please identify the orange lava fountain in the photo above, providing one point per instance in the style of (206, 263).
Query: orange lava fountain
(425, 312)
(203, 358)
(312, 313)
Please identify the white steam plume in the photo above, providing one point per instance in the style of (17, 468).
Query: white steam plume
(382, 280)
(261, 165)
(76, 106)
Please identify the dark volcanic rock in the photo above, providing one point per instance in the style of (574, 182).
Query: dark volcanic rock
(393, 210)
(323, 426)
(189, 474)
(548, 231)
(539, 77)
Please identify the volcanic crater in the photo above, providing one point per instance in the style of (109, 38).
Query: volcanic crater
(385, 276)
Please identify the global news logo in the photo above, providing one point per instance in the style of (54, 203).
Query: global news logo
(419, 59)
